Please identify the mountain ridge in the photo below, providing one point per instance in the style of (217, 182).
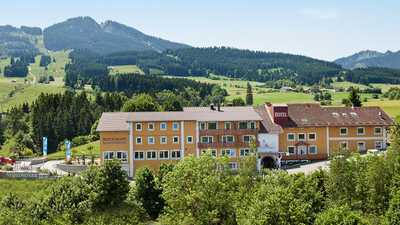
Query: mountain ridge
(369, 58)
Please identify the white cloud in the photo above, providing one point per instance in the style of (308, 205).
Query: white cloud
(321, 14)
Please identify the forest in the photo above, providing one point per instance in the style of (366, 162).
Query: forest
(204, 190)
(373, 75)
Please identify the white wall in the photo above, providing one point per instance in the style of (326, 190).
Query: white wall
(269, 143)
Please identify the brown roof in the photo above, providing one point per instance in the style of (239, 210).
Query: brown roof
(113, 121)
(267, 123)
(303, 115)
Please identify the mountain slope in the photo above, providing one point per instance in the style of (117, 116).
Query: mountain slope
(18, 41)
(231, 62)
(86, 33)
(368, 58)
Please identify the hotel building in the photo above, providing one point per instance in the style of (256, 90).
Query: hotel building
(280, 132)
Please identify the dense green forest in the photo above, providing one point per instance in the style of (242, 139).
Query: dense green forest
(373, 75)
(18, 66)
(244, 64)
(355, 190)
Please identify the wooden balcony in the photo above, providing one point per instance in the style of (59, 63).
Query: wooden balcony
(305, 157)
(235, 132)
(218, 145)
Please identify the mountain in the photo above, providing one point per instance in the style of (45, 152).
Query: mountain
(108, 37)
(368, 58)
(18, 41)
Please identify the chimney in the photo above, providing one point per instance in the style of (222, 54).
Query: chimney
(279, 113)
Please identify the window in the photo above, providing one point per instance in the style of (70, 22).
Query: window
(138, 126)
(343, 131)
(360, 131)
(244, 152)
(243, 125)
(164, 154)
(291, 150)
(343, 145)
(175, 126)
(150, 126)
(232, 165)
(123, 156)
(202, 126)
(212, 125)
(248, 138)
(163, 126)
(228, 139)
(361, 146)
(189, 139)
(252, 125)
(150, 140)
(228, 152)
(138, 140)
(301, 137)
(312, 136)
(175, 140)
(206, 139)
(312, 149)
(176, 154)
(378, 130)
(379, 145)
(108, 155)
(228, 125)
(290, 137)
(212, 151)
(151, 155)
(163, 140)
(139, 155)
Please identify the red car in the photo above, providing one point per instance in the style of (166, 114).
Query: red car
(6, 160)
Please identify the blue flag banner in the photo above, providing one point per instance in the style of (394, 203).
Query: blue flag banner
(68, 149)
(44, 146)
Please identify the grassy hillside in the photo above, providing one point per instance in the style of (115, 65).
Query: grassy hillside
(79, 150)
(16, 91)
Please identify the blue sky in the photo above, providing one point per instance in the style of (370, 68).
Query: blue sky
(321, 29)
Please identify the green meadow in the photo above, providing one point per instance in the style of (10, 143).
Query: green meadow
(125, 69)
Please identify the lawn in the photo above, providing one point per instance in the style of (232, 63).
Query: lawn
(346, 85)
(25, 189)
(79, 150)
(125, 69)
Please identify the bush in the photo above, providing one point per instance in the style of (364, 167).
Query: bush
(339, 215)
(81, 140)
(6, 167)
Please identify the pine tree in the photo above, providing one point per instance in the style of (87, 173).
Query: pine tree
(354, 97)
(249, 94)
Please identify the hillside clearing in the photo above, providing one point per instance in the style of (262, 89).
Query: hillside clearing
(125, 69)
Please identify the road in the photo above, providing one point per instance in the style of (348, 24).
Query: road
(51, 166)
(309, 168)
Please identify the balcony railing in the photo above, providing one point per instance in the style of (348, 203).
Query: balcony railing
(238, 144)
(228, 132)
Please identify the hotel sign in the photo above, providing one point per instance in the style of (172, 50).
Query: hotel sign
(114, 140)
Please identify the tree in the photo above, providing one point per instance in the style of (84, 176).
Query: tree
(249, 94)
(354, 97)
(141, 103)
(238, 102)
(108, 184)
(339, 215)
(393, 214)
(169, 101)
(148, 193)
(199, 191)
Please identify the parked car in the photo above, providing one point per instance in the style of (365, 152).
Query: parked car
(6, 160)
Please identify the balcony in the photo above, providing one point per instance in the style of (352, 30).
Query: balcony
(217, 145)
(236, 132)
